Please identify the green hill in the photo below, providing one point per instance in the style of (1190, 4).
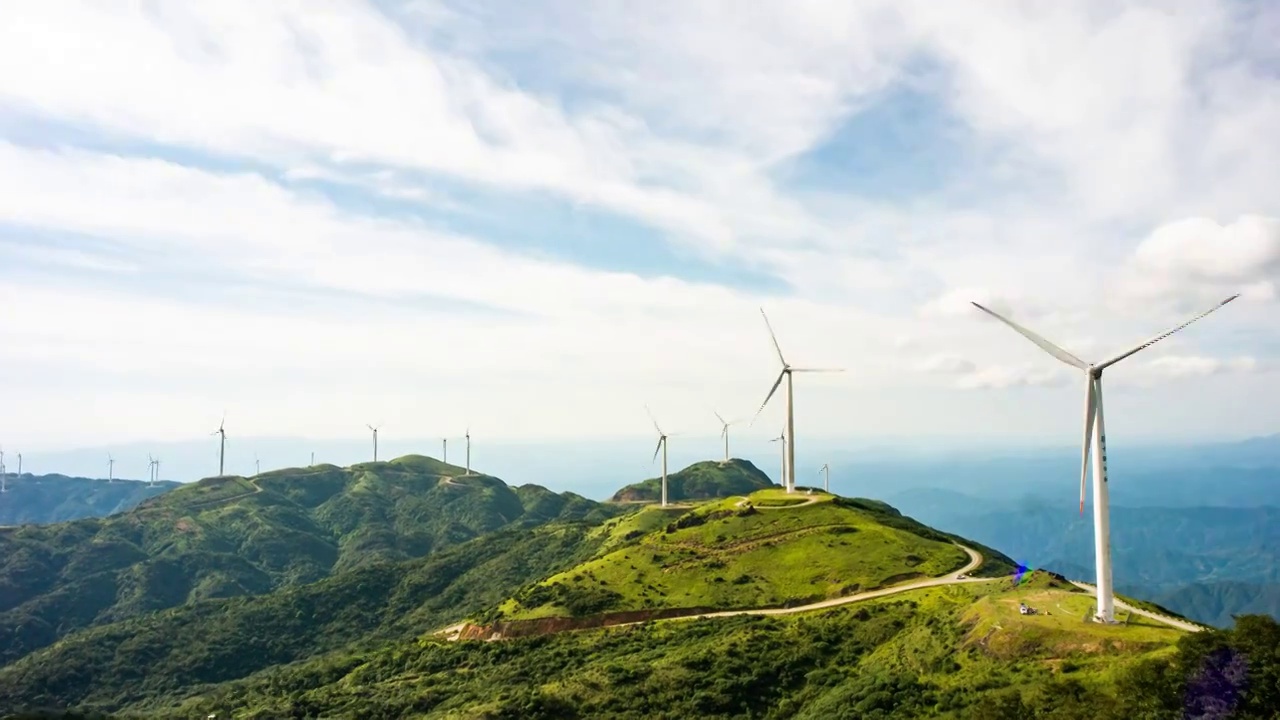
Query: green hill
(752, 552)
(377, 638)
(960, 651)
(700, 481)
(231, 536)
(43, 499)
(174, 652)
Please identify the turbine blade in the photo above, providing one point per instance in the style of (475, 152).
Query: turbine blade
(722, 422)
(768, 397)
(774, 338)
(1090, 414)
(1043, 344)
(651, 417)
(724, 431)
(1163, 335)
(657, 449)
(817, 369)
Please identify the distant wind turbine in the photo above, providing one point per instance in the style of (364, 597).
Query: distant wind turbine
(155, 475)
(1095, 438)
(787, 371)
(111, 467)
(257, 465)
(662, 445)
(3, 475)
(826, 478)
(313, 458)
(221, 432)
(444, 452)
(782, 437)
(19, 465)
(724, 433)
(468, 437)
(374, 428)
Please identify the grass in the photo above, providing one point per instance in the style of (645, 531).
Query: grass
(719, 555)
(925, 653)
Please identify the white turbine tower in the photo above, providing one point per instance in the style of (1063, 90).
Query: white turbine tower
(155, 475)
(222, 444)
(374, 428)
(724, 433)
(111, 467)
(444, 450)
(790, 432)
(1095, 438)
(782, 437)
(468, 437)
(662, 445)
(257, 465)
(826, 477)
(3, 474)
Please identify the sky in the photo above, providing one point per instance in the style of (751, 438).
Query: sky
(536, 219)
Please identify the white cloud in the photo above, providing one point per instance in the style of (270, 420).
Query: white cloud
(1009, 376)
(1195, 261)
(1086, 128)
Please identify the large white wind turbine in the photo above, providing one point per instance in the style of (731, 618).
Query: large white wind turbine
(444, 450)
(787, 370)
(156, 474)
(222, 444)
(1095, 438)
(662, 445)
(111, 467)
(374, 428)
(782, 437)
(468, 437)
(724, 433)
(826, 477)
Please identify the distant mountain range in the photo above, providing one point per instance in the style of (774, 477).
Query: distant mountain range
(1157, 552)
(232, 536)
(55, 498)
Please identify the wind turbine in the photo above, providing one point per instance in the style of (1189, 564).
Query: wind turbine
(313, 458)
(783, 438)
(724, 433)
(444, 453)
(155, 475)
(111, 467)
(257, 465)
(662, 445)
(787, 370)
(222, 444)
(468, 437)
(3, 487)
(151, 468)
(374, 428)
(1095, 438)
(19, 465)
(826, 477)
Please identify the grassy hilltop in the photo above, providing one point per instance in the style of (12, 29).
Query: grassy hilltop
(768, 549)
(700, 481)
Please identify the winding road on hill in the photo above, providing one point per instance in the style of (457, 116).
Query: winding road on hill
(1175, 622)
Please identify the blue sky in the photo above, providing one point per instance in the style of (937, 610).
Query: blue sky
(539, 218)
